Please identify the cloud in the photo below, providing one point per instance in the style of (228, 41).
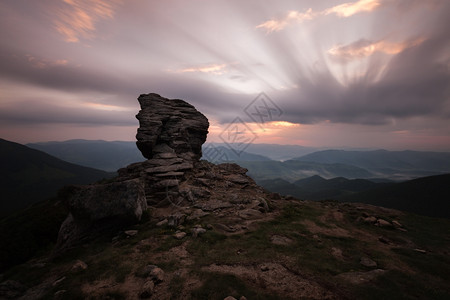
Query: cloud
(349, 9)
(364, 48)
(414, 84)
(344, 10)
(216, 69)
(77, 19)
(291, 17)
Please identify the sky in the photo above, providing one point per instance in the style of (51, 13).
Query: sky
(329, 73)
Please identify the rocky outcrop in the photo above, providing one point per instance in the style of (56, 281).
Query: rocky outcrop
(170, 128)
(170, 135)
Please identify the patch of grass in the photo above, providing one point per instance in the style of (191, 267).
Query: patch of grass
(168, 243)
(176, 287)
(220, 286)
(118, 295)
(429, 263)
(398, 285)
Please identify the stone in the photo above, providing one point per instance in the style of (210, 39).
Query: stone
(230, 298)
(170, 126)
(130, 232)
(383, 223)
(147, 289)
(97, 207)
(263, 204)
(179, 235)
(197, 214)
(79, 265)
(157, 275)
(59, 294)
(396, 224)
(162, 223)
(123, 200)
(370, 220)
(280, 240)
(421, 251)
(58, 281)
(197, 231)
(367, 262)
(176, 220)
(264, 268)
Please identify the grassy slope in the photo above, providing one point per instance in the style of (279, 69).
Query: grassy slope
(312, 227)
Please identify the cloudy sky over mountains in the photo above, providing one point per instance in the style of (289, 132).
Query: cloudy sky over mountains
(367, 73)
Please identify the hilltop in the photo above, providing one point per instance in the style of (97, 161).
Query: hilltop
(177, 227)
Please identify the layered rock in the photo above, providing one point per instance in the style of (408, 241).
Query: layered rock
(170, 127)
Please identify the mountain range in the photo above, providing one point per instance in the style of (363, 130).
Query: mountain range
(103, 155)
(28, 176)
(269, 161)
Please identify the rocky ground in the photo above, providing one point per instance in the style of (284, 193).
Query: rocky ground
(273, 249)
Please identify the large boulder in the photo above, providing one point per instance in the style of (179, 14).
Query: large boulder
(170, 126)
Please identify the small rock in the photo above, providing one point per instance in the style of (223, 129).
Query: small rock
(264, 268)
(230, 298)
(367, 262)
(59, 294)
(224, 227)
(58, 281)
(337, 253)
(263, 204)
(280, 240)
(157, 274)
(370, 219)
(162, 223)
(179, 235)
(383, 223)
(397, 224)
(79, 265)
(147, 289)
(176, 220)
(130, 232)
(421, 251)
(197, 231)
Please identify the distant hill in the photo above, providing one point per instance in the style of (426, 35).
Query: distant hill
(427, 196)
(216, 154)
(103, 155)
(276, 151)
(401, 165)
(318, 188)
(293, 170)
(28, 176)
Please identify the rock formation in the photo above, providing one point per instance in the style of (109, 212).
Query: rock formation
(170, 136)
(170, 128)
